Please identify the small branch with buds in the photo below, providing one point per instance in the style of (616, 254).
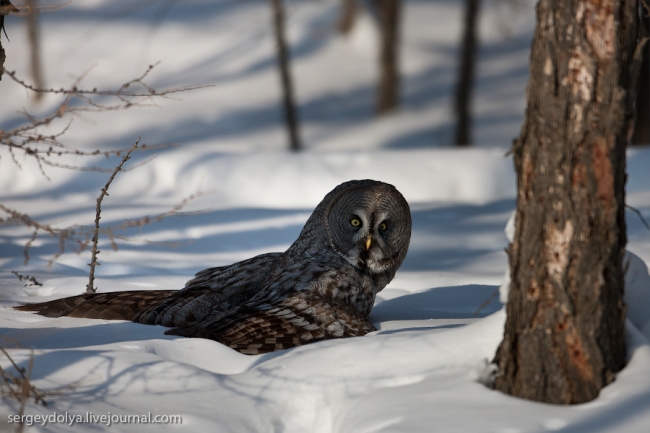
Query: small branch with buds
(90, 288)
(29, 139)
(31, 281)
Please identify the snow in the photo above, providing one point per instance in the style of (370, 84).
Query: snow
(424, 369)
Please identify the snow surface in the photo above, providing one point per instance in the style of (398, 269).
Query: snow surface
(422, 370)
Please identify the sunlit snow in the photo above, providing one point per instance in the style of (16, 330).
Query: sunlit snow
(422, 370)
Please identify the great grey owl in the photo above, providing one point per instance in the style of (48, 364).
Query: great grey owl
(322, 287)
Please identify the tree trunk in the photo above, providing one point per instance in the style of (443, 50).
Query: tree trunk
(642, 124)
(466, 75)
(35, 48)
(349, 10)
(388, 12)
(285, 75)
(564, 332)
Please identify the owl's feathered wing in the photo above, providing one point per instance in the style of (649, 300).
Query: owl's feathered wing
(213, 288)
(226, 305)
(298, 319)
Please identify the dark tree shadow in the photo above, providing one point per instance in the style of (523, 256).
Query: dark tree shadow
(452, 302)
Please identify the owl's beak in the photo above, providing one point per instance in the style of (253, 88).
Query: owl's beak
(368, 242)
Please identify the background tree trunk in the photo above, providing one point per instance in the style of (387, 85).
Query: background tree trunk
(33, 35)
(285, 76)
(564, 333)
(466, 75)
(388, 11)
(349, 10)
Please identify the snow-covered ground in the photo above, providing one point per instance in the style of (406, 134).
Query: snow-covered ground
(420, 371)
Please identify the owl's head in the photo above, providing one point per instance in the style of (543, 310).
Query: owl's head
(368, 223)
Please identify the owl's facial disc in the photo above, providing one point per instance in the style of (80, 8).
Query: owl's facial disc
(369, 225)
(369, 249)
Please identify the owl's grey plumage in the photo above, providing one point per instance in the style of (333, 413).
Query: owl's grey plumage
(322, 287)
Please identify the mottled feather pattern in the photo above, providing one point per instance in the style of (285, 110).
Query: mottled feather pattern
(299, 319)
(322, 287)
(107, 306)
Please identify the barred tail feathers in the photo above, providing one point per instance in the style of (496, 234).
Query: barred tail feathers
(107, 306)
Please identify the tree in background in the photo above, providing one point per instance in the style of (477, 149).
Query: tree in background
(463, 99)
(285, 75)
(564, 332)
(33, 34)
(388, 91)
(347, 16)
(387, 13)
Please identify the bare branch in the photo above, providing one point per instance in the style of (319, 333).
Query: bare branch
(45, 148)
(31, 280)
(90, 288)
(486, 302)
(25, 220)
(28, 245)
(121, 92)
(26, 389)
(18, 385)
(636, 211)
(82, 236)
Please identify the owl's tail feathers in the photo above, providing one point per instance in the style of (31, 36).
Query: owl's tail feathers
(107, 306)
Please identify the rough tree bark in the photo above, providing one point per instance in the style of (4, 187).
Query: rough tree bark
(564, 332)
(388, 12)
(466, 75)
(285, 76)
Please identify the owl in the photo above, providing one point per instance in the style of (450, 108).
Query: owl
(322, 287)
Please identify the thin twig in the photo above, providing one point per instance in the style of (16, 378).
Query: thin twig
(26, 388)
(19, 386)
(29, 139)
(635, 210)
(82, 235)
(121, 92)
(32, 280)
(28, 245)
(13, 363)
(486, 302)
(90, 288)
(26, 9)
(26, 220)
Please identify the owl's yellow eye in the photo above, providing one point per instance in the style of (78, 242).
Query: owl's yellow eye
(356, 222)
(383, 227)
